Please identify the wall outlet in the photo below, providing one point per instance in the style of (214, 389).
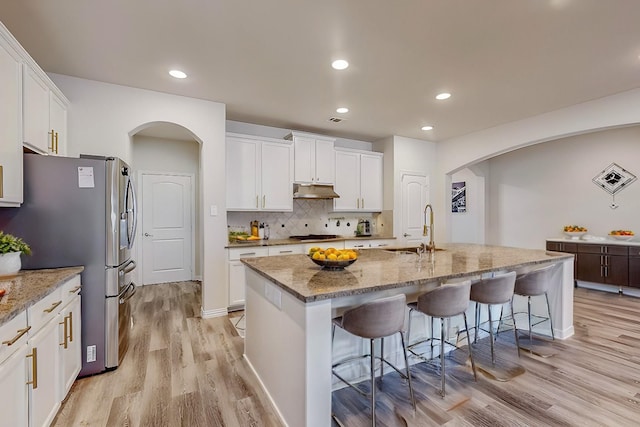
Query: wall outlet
(91, 353)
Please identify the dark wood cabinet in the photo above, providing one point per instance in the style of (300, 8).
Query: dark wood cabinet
(571, 248)
(607, 264)
(611, 264)
(634, 266)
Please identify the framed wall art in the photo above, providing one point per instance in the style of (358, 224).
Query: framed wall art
(458, 197)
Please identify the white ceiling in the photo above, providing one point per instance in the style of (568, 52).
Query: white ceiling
(269, 61)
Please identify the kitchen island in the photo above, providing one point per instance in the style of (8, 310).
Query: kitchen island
(290, 302)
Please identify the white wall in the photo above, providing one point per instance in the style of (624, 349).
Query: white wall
(457, 153)
(152, 154)
(103, 116)
(535, 191)
(469, 226)
(403, 155)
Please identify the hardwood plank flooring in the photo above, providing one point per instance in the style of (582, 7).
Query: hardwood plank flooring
(182, 370)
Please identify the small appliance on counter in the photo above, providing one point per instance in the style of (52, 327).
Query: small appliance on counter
(363, 228)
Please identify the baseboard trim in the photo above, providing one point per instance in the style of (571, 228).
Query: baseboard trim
(208, 314)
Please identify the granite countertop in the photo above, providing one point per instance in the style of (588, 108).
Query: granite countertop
(606, 241)
(279, 242)
(379, 269)
(29, 287)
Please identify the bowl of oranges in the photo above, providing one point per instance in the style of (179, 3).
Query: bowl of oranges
(332, 258)
(622, 234)
(574, 231)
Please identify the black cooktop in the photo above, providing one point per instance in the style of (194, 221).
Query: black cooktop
(314, 237)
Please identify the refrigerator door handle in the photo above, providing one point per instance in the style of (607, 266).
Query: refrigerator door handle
(129, 267)
(134, 211)
(127, 293)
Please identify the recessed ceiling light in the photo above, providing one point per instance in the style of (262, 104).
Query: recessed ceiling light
(443, 95)
(339, 64)
(427, 127)
(178, 74)
(342, 110)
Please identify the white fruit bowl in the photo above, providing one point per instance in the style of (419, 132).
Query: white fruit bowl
(622, 237)
(575, 234)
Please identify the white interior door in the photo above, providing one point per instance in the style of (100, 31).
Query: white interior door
(414, 199)
(167, 234)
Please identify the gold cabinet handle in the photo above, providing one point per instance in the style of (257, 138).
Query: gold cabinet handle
(56, 142)
(64, 343)
(257, 197)
(363, 203)
(34, 367)
(76, 289)
(52, 148)
(264, 201)
(358, 202)
(1, 183)
(53, 307)
(71, 326)
(21, 332)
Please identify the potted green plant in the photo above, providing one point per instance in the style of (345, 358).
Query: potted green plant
(11, 247)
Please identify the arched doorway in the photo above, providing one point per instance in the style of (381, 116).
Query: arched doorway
(166, 158)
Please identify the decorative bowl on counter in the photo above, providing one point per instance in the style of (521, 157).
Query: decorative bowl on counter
(622, 234)
(575, 234)
(328, 264)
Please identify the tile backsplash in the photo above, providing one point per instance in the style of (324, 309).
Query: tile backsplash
(308, 217)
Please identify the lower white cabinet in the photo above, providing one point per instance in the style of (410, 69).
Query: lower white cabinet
(44, 393)
(69, 345)
(14, 374)
(40, 358)
(236, 274)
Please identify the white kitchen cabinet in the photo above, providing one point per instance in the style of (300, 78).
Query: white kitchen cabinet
(44, 114)
(359, 181)
(314, 158)
(44, 392)
(286, 250)
(36, 371)
(14, 390)
(10, 124)
(259, 174)
(236, 273)
(69, 329)
(368, 243)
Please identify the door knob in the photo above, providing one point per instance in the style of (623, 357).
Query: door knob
(148, 235)
(406, 234)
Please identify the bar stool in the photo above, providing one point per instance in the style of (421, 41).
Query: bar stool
(376, 320)
(445, 301)
(531, 284)
(497, 290)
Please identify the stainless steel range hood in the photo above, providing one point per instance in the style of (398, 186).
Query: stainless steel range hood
(314, 191)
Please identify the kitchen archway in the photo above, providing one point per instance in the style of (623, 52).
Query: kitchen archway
(166, 159)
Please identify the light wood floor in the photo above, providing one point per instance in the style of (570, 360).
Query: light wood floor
(182, 370)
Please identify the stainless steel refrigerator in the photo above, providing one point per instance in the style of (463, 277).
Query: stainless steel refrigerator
(82, 211)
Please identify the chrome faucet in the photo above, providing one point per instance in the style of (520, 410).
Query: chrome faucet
(431, 247)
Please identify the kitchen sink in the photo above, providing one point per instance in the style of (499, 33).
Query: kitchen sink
(409, 249)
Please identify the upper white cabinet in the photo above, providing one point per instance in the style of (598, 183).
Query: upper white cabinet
(259, 173)
(358, 181)
(44, 114)
(314, 158)
(33, 113)
(10, 124)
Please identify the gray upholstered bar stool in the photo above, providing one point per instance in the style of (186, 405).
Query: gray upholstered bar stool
(531, 284)
(444, 302)
(376, 320)
(497, 290)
